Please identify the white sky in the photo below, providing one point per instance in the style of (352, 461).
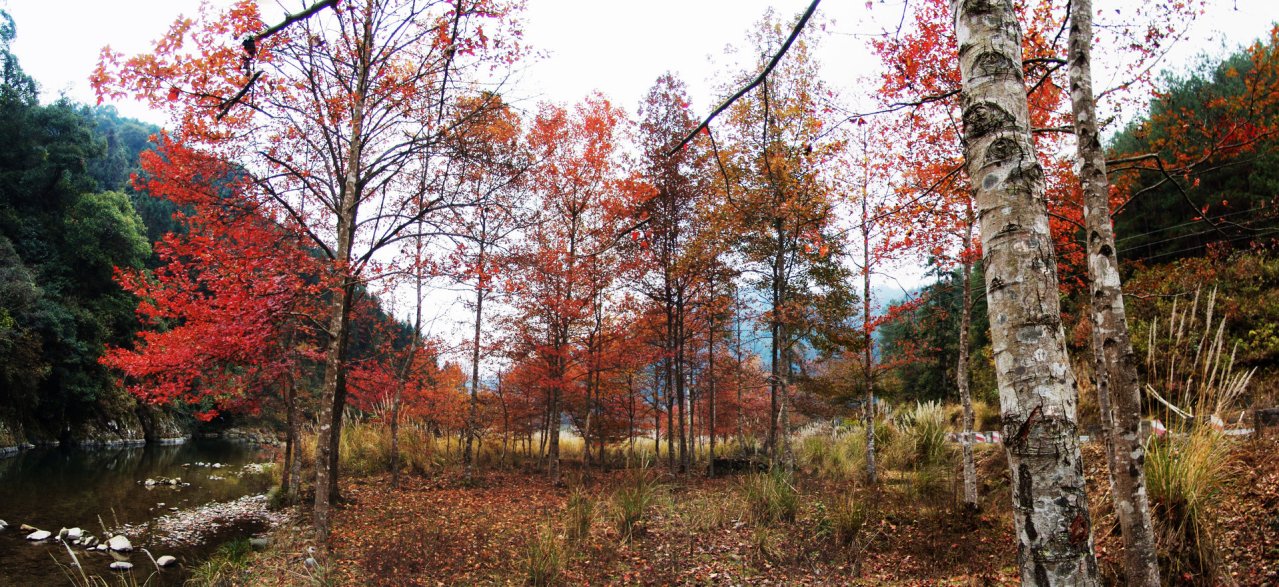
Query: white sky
(619, 47)
(616, 46)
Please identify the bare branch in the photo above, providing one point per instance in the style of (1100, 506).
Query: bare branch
(799, 26)
(251, 49)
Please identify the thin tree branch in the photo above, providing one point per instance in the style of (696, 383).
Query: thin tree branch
(251, 50)
(799, 26)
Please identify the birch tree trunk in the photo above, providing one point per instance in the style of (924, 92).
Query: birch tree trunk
(1037, 389)
(961, 378)
(868, 368)
(1115, 364)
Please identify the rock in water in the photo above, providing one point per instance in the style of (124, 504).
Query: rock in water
(27, 528)
(165, 561)
(74, 534)
(39, 535)
(121, 566)
(119, 543)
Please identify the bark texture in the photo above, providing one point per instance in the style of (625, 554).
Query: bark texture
(961, 381)
(868, 367)
(1115, 364)
(1037, 388)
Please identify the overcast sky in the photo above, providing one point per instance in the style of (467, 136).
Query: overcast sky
(618, 47)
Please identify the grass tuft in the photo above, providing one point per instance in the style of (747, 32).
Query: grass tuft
(770, 497)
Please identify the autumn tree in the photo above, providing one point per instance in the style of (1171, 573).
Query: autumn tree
(224, 313)
(492, 164)
(779, 201)
(559, 278)
(666, 241)
(340, 119)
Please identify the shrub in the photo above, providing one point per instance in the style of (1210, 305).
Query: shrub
(923, 430)
(706, 513)
(838, 454)
(365, 448)
(847, 519)
(1195, 382)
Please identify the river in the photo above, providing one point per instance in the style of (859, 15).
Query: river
(53, 488)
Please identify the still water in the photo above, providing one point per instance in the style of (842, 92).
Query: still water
(53, 488)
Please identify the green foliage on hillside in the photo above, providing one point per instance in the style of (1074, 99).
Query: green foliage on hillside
(1213, 130)
(922, 344)
(65, 225)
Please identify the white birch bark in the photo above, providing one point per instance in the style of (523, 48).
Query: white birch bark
(961, 375)
(1115, 364)
(1037, 390)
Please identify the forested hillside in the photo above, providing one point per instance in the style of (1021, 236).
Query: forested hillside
(67, 220)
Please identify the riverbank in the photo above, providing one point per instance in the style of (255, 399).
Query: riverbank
(158, 497)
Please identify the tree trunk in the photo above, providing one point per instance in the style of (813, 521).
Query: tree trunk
(472, 414)
(680, 397)
(288, 484)
(326, 446)
(788, 452)
(961, 373)
(710, 380)
(1036, 384)
(775, 348)
(406, 371)
(295, 427)
(741, 416)
(868, 342)
(1114, 360)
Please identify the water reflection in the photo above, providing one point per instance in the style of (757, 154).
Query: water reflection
(67, 487)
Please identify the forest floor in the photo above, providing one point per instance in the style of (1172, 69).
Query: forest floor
(699, 531)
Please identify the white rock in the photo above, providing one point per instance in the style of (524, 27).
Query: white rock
(165, 561)
(74, 534)
(39, 535)
(119, 543)
(101, 547)
(121, 566)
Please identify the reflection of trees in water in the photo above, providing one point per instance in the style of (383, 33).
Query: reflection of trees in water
(55, 487)
(68, 486)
